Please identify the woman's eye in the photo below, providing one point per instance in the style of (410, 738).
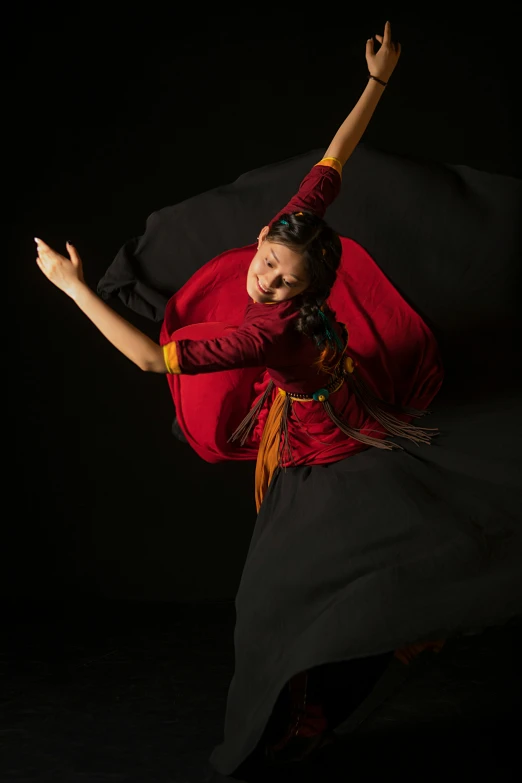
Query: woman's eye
(267, 262)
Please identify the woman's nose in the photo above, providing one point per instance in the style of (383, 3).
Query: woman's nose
(272, 280)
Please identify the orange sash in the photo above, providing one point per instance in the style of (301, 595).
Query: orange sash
(268, 454)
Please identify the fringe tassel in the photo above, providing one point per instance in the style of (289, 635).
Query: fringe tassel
(245, 427)
(283, 433)
(394, 426)
(356, 435)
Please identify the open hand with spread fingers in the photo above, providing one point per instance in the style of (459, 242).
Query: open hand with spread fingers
(65, 273)
(382, 63)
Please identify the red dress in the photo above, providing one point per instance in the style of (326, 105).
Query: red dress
(229, 348)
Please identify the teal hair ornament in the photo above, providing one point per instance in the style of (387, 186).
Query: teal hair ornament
(284, 222)
(331, 334)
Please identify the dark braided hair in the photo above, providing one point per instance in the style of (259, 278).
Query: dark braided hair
(320, 247)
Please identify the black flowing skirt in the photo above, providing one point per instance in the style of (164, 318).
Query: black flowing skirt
(382, 549)
(353, 560)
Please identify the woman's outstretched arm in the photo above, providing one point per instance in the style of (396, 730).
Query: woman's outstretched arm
(249, 346)
(380, 65)
(67, 275)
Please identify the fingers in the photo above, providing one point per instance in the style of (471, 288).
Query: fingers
(40, 244)
(369, 46)
(47, 258)
(73, 254)
(43, 247)
(387, 40)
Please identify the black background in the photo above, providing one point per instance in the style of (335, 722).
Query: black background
(111, 117)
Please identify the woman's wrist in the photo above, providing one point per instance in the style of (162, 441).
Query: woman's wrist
(78, 290)
(375, 78)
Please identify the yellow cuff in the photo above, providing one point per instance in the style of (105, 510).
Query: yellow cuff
(335, 163)
(170, 355)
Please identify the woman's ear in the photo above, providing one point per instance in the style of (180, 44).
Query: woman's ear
(262, 235)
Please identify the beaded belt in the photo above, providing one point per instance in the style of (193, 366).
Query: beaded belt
(321, 395)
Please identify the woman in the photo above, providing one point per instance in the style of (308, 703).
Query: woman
(300, 384)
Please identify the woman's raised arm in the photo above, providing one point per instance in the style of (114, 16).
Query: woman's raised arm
(380, 67)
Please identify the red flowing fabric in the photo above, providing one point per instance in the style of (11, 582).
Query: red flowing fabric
(397, 356)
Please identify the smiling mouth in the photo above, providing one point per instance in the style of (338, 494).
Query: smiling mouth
(261, 289)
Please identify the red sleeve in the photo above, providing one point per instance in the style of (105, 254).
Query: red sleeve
(317, 191)
(246, 346)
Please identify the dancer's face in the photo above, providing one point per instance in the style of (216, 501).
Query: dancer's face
(276, 272)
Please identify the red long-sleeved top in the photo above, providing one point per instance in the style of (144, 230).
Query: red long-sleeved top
(221, 349)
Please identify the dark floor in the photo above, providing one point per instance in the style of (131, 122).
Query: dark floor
(117, 691)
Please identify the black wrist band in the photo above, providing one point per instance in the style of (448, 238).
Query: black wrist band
(377, 80)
